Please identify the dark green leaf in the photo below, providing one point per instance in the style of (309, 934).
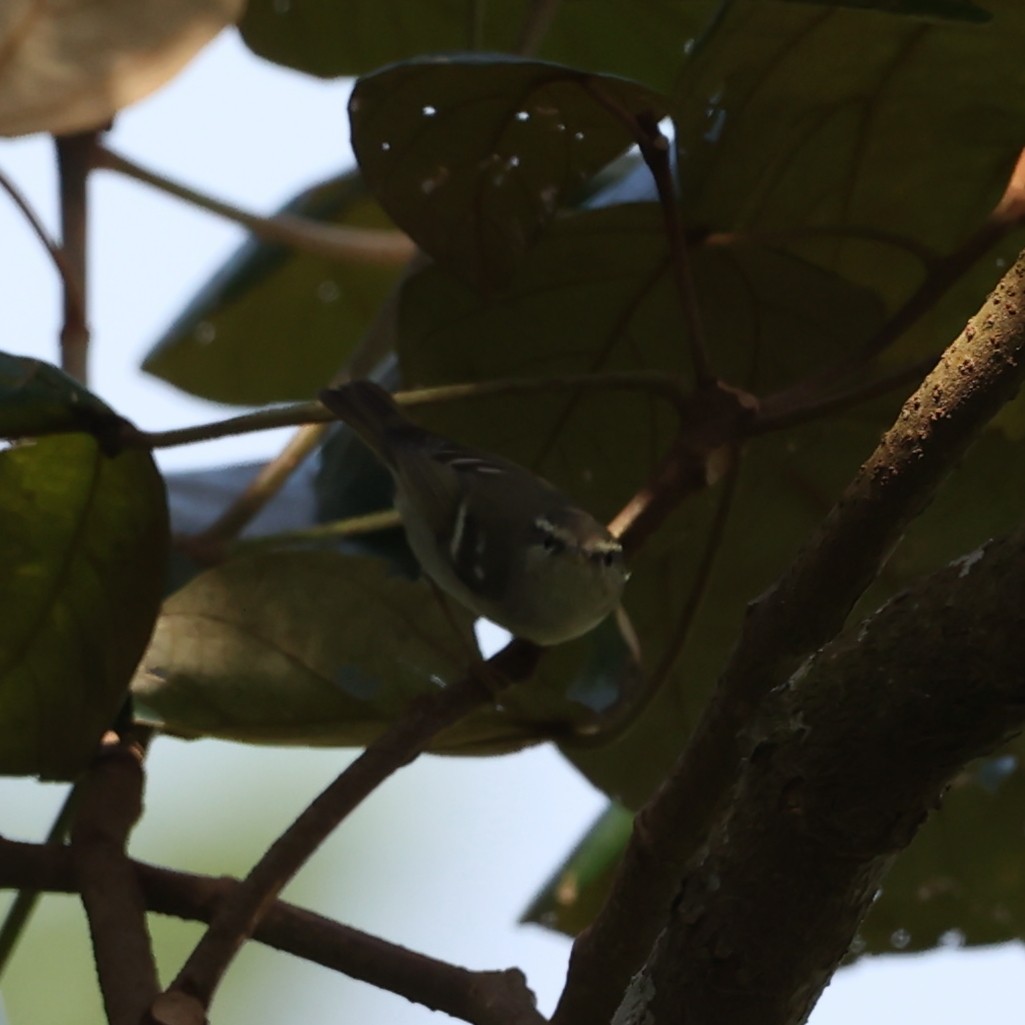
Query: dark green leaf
(274, 324)
(824, 129)
(472, 157)
(83, 542)
(36, 399)
(596, 296)
(312, 648)
(642, 39)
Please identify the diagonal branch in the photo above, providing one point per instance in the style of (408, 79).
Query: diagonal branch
(400, 744)
(980, 371)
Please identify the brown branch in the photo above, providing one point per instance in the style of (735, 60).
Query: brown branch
(110, 805)
(210, 545)
(807, 606)
(74, 161)
(481, 997)
(830, 794)
(400, 744)
(72, 293)
(343, 243)
(24, 903)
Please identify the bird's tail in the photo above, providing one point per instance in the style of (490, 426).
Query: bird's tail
(371, 412)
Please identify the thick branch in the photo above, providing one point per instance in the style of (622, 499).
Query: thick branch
(109, 807)
(808, 605)
(848, 760)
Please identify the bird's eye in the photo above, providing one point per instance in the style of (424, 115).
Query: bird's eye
(551, 543)
(609, 557)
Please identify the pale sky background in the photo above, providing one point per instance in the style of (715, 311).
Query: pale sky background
(448, 853)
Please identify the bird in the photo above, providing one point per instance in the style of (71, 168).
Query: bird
(493, 535)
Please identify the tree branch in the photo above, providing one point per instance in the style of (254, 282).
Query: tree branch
(806, 607)
(383, 247)
(74, 161)
(109, 807)
(848, 760)
(481, 997)
(400, 744)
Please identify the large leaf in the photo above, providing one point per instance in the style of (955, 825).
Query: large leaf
(472, 157)
(274, 324)
(597, 296)
(642, 39)
(827, 129)
(313, 648)
(83, 542)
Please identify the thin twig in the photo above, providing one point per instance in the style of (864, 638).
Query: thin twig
(365, 246)
(296, 414)
(481, 997)
(978, 373)
(74, 162)
(400, 744)
(71, 287)
(351, 526)
(209, 545)
(109, 807)
(786, 409)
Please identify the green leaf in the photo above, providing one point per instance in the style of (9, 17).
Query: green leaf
(36, 399)
(596, 296)
(574, 894)
(274, 324)
(83, 543)
(641, 39)
(472, 157)
(824, 129)
(312, 648)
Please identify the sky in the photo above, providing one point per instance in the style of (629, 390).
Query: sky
(447, 854)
